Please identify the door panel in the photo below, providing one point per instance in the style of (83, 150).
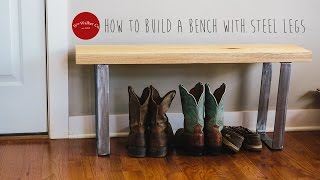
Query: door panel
(23, 99)
(10, 67)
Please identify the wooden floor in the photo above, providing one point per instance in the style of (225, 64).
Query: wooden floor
(76, 159)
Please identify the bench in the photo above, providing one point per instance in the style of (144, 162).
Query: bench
(104, 55)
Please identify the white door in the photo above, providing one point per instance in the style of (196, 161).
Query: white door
(23, 99)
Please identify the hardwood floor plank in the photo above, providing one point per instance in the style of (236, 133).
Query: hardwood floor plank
(194, 167)
(266, 161)
(55, 159)
(130, 164)
(87, 168)
(75, 148)
(175, 171)
(23, 137)
(301, 157)
(77, 159)
(243, 163)
(310, 140)
(92, 163)
(133, 175)
(13, 155)
(173, 175)
(75, 170)
(311, 143)
(86, 155)
(33, 160)
(115, 175)
(287, 163)
(99, 166)
(119, 146)
(153, 168)
(2, 154)
(223, 166)
(102, 167)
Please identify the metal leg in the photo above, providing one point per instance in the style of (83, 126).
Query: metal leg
(282, 104)
(281, 109)
(102, 109)
(264, 97)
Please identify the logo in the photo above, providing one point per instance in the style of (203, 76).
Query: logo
(85, 25)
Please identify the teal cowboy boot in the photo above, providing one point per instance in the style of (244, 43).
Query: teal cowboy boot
(191, 136)
(214, 118)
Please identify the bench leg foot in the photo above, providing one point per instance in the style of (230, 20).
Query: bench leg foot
(102, 109)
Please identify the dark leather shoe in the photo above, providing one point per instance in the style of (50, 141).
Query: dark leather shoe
(231, 139)
(252, 141)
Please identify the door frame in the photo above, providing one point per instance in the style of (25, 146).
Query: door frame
(57, 68)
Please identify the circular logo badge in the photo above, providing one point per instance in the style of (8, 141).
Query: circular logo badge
(85, 25)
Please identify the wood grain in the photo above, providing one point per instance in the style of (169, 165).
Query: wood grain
(55, 160)
(12, 160)
(190, 54)
(25, 137)
(77, 159)
(31, 167)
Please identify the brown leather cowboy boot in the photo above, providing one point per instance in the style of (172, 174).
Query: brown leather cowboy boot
(161, 133)
(138, 115)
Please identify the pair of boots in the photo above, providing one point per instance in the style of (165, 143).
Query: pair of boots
(150, 130)
(203, 119)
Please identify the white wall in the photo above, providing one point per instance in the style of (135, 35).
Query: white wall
(242, 81)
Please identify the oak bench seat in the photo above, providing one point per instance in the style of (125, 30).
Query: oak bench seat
(190, 54)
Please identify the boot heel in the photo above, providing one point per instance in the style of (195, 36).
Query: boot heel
(197, 146)
(135, 151)
(157, 151)
(213, 141)
(197, 140)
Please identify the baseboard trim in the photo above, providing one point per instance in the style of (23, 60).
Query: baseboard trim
(297, 120)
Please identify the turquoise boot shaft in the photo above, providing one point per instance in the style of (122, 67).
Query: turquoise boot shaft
(192, 107)
(214, 117)
(191, 137)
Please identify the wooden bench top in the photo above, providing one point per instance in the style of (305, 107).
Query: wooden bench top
(190, 54)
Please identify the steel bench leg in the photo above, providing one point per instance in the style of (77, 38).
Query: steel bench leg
(102, 109)
(264, 102)
(281, 109)
(282, 104)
